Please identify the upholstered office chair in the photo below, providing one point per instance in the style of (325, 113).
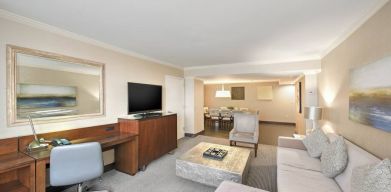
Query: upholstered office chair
(75, 164)
(246, 130)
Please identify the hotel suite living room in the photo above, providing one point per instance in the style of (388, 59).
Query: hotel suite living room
(182, 96)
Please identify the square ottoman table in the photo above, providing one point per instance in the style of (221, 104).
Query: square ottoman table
(234, 167)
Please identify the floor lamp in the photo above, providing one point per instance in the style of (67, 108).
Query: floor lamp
(313, 113)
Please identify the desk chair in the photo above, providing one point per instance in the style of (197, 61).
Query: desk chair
(75, 164)
(246, 130)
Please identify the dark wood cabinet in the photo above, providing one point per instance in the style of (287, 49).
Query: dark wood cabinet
(157, 135)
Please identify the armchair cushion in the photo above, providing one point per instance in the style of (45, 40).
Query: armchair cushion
(246, 123)
(243, 137)
(246, 128)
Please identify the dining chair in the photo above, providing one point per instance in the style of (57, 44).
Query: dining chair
(206, 116)
(214, 117)
(243, 109)
(226, 119)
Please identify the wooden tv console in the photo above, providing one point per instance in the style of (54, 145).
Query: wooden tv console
(157, 135)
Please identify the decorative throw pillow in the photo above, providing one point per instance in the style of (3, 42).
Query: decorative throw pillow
(315, 143)
(334, 158)
(372, 178)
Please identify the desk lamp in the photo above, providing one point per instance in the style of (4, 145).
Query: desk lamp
(36, 144)
(39, 144)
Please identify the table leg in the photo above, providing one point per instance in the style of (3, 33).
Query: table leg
(40, 176)
(126, 157)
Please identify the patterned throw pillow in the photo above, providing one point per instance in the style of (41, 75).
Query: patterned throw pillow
(372, 178)
(334, 158)
(315, 143)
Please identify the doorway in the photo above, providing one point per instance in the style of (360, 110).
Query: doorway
(175, 101)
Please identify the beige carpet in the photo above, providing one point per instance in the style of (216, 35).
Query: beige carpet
(160, 174)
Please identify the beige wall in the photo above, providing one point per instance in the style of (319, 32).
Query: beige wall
(194, 104)
(371, 42)
(300, 121)
(86, 85)
(280, 109)
(198, 105)
(119, 69)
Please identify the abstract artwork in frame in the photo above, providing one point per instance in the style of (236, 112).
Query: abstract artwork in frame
(31, 96)
(237, 93)
(370, 95)
(265, 93)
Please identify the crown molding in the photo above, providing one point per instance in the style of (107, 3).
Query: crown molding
(275, 68)
(218, 82)
(254, 63)
(339, 40)
(298, 78)
(279, 81)
(52, 29)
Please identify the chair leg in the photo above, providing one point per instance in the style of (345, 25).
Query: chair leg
(256, 149)
(80, 187)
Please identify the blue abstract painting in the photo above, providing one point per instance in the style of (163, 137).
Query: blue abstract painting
(31, 96)
(370, 95)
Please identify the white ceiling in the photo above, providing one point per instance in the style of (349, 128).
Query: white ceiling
(250, 78)
(206, 32)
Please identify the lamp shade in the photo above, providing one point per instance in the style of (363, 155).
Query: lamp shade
(223, 94)
(313, 113)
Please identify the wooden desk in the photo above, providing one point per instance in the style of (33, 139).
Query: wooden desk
(124, 144)
(17, 170)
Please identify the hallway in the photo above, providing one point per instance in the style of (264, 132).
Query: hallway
(268, 132)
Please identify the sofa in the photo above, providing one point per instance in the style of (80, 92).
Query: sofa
(298, 172)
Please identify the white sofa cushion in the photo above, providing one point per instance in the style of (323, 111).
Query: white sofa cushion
(334, 158)
(297, 158)
(316, 142)
(292, 179)
(356, 157)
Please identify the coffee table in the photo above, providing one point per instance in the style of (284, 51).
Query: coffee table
(234, 167)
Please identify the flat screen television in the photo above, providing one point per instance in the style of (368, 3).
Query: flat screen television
(143, 98)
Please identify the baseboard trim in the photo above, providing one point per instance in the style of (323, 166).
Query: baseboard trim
(194, 135)
(109, 167)
(278, 123)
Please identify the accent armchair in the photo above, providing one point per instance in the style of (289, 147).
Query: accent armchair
(246, 130)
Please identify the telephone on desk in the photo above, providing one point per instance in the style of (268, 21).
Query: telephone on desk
(59, 142)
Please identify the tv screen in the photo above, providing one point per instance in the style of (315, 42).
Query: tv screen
(144, 98)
